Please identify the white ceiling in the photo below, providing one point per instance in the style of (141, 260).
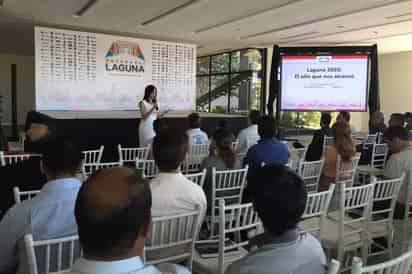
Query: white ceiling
(217, 25)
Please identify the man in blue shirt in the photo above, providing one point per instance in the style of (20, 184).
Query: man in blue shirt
(48, 215)
(280, 200)
(268, 150)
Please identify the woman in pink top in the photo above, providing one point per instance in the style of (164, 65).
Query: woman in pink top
(344, 147)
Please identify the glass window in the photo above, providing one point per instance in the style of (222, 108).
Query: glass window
(220, 63)
(203, 65)
(202, 93)
(219, 93)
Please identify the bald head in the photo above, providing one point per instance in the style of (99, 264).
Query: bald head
(112, 207)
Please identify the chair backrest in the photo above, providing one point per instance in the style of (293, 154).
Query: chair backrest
(12, 159)
(194, 157)
(88, 169)
(297, 155)
(23, 195)
(317, 206)
(379, 138)
(197, 178)
(148, 168)
(399, 265)
(357, 198)
(310, 173)
(129, 154)
(333, 267)
(370, 140)
(93, 156)
(227, 185)
(347, 170)
(385, 190)
(235, 145)
(234, 219)
(51, 256)
(199, 149)
(172, 238)
(379, 154)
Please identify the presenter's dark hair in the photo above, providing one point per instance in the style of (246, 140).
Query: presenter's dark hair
(194, 120)
(106, 227)
(267, 127)
(170, 149)
(61, 157)
(254, 117)
(325, 118)
(147, 91)
(398, 131)
(279, 197)
(345, 115)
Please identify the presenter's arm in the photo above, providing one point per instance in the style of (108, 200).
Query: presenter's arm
(161, 114)
(145, 112)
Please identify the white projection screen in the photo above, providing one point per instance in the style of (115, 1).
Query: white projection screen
(80, 71)
(324, 83)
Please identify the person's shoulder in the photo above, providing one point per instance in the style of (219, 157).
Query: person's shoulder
(168, 268)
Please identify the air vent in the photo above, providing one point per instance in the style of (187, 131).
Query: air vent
(299, 35)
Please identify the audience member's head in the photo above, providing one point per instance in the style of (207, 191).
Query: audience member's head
(160, 125)
(194, 120)
(169, 150)
(396, 120)
(343, 116)
(343, 140)
(113, 214)
(398, 138)
(253, 117)
(408, 117)
(279, 198)
(377, 118)
(224, 147)
(61, 159)
(39, 129)
(325, 119)
(267, 127)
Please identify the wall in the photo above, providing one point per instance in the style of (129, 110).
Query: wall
(25, 85)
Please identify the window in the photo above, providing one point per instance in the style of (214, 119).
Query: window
(230, 82)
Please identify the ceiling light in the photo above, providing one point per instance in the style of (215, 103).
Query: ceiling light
(168, 13)
(85, 8)
(340, 27)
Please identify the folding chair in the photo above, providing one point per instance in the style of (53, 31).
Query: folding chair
(93, 156)
(23, 195)
(197, 178)
(129, 154)
(11, 159)
(88, 169)
(310, 173)
(148, 168)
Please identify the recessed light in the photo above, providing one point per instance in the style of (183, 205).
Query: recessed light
(375, 32)
(340, 27)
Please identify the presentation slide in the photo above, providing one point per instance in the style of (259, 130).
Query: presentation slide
(324, 83)
(81, 71)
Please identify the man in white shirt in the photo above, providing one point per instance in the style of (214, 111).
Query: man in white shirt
(399, 162)
(249, 136)
(172, 192)
(50, 214)
(195, 134)
(113, 218)
(279, 197)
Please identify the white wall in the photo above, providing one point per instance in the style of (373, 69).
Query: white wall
(25, 85)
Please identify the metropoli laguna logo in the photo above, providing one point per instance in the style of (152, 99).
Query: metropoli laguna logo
(125, 58)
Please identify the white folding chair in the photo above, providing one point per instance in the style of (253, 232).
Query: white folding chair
(194, 158)
(346, 171)
(12, 158)
(51, 256)
(197, 178)
(148, 168)
(314, 216)
(310, 173)
(172, 238)
(369, 140)
(23, 195)
(235, 145)
(93, 156)
(399, 265)
(333, 267)
(227, 185)
(129, 154)
(88, 169)
(344, 232)
(297, 155)
(233, 219)
(378, 161)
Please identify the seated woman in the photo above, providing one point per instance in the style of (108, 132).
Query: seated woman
(344, 147)
(223, 158)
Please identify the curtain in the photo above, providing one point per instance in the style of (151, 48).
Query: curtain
(273, 82)
(374, 98)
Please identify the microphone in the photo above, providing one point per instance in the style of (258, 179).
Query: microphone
(154, 102)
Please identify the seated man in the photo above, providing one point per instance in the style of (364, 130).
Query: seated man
(195, 134)
(345, 116)
(400, 161)
(408, 118)
(172, 192)
(48, 215)
(280, 201)
(315, 148)
(113, 218)
(268, 150)
(248, 136)
(377, 123)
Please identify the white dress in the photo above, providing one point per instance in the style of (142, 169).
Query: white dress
(146, 131)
